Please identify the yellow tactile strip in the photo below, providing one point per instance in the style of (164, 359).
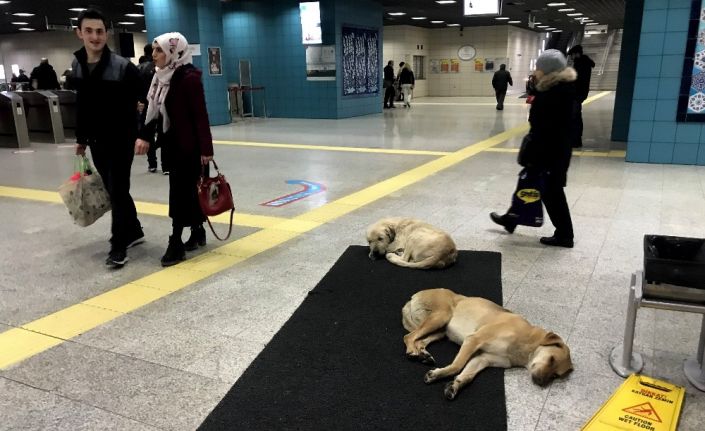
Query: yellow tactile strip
(42, 334)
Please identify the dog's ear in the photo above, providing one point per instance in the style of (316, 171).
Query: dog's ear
(389, 231)
(551, 339)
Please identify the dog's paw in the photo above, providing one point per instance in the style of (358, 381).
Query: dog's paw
(426, 358)
(413, 356)
(450, 391)
(399, 251)
(430, 376)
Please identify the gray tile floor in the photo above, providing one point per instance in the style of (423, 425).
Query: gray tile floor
(166, 365)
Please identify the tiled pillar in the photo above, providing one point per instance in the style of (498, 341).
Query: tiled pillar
(200, 21)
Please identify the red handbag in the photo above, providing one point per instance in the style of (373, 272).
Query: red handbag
(215, 197)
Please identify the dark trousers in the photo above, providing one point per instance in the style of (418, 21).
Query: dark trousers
(152, 157)
(500, 98)
(184, 207)
(577, 134)
(389, 95)
(114, 161)
(557, 208)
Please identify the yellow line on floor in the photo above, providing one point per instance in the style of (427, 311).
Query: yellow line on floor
(332, 148)
(578, 153)
(149, 208)
(18, 344)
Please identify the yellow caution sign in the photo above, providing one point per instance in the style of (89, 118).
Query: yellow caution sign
(640, 404)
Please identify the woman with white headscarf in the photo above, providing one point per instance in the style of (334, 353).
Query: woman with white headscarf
(177, 115)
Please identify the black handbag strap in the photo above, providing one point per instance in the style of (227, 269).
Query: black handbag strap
(230, 229)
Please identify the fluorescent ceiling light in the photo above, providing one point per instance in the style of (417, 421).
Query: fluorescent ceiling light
(19, 23)
(134, 15)
(77, 9)
(26, 29)
(144, 31)
(542, 26)
(437, 22)
(139, 4)
(574, 14)
(570, 9)
(23, 14)
(555, 4)
(453, 25)
(4, 1)
(126, 23)
(550, 28)
(418, 17)
(557, 31)
(537, 23)
(592, 23)
(513, 22)
(502, 18)
(397, 13)
(445, 1)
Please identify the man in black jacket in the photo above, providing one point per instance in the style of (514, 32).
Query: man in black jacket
(583, 65)
(43, 77)
(108, 89)
(501, 79)
(389, 85)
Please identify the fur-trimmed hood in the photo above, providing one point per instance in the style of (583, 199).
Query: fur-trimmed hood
(552, 79)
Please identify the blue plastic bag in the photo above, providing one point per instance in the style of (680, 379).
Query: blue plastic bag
(527, 208)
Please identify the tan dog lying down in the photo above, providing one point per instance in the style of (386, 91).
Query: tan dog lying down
(411, 243)
(488, 335)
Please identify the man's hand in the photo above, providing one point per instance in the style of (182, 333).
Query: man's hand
(141, 147)
(206, 159)
(80, 150)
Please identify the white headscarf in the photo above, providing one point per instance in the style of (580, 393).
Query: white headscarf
(178, 53)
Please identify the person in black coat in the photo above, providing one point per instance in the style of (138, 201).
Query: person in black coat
(389, 85)
(44, 77)
(501, 79)
(548, 151)
(407, 81)
(583, 65)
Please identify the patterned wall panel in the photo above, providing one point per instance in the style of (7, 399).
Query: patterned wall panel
(360, 59)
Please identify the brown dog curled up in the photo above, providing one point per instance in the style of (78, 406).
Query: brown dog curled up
(411, 243)
(488, 335)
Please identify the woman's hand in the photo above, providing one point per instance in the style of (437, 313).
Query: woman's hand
(206, 159)
(141, 147)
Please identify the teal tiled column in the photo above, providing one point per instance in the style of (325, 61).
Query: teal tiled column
(201, 22)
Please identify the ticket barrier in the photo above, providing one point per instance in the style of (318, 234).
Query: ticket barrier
(43, 116)
(67, 107)
(13, 122)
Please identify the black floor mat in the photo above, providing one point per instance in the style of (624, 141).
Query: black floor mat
(339, 363)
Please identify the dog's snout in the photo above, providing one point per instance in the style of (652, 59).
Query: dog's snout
(541, 380)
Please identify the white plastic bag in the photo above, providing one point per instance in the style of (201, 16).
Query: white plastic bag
(84, 194)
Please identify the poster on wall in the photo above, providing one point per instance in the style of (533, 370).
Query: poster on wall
(435, 66)
(310, 13)
(215, 66)
(454, 65)
(320, 63)
(479, 65)
(445, 65)
(489, 64)
(691, 100)
(360, 58)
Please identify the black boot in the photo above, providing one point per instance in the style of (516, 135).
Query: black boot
(175, 252)
(197, 238)
(505, 221)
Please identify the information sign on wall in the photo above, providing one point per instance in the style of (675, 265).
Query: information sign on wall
(691, 101)
(360, 57)
(482, 7)
(310, 22)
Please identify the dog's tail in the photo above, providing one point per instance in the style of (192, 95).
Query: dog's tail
(429, 262)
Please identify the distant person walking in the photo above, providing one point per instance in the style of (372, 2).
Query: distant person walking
(389, 85)
(43, 77)
(407, 81)
(583, 65)
(501, 79)
(146, 70)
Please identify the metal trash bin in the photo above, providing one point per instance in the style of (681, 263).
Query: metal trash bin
(13, 122)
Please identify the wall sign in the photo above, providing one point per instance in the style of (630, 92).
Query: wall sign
(482, 7)
(691, 101)
(309, 188)
(466, 52)
(215, 67)
(320, 63)
(310, 13)
(360, 58)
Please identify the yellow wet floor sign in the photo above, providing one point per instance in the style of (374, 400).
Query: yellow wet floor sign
(640, 404)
